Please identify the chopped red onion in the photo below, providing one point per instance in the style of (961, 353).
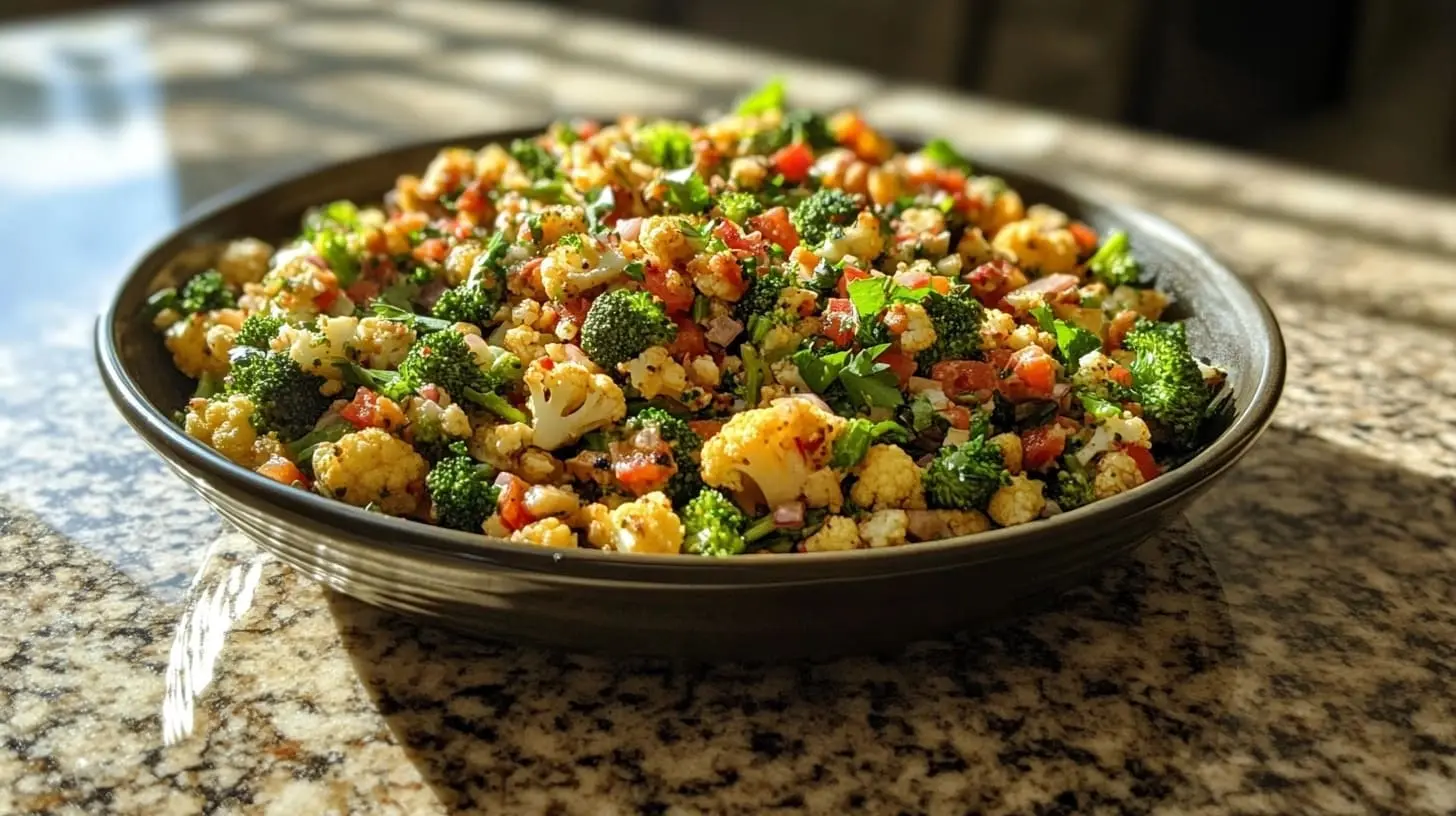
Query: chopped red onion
(789, 515)
(629, 228)
(722, 329)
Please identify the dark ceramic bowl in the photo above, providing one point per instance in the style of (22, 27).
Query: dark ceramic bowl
(752, 607)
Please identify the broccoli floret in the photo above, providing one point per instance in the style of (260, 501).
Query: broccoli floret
(622, 324)
(762, 296)
(203, 293)
(738, 206)
(286, 399)
(476, 300)
(461, 491)
(1073, 486)
(964, 477)
(825, 280)
(664, 144)
(441, 358)
(206, 292)
(328, 228)
(303, 447)
(824, 214)
(535, 160)
(1167, 379)
(1113, 263)
(957, 320)
(799, 125)
(713, 525)
(685, 444)
(258, 331)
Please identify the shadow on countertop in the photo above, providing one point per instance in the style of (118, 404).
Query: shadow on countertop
(1244, 653)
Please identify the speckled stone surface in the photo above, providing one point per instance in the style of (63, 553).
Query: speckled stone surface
(1289, 648)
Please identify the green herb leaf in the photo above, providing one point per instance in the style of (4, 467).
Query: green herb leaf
(854, 441)
(922, 414)
(870, 383)
(942, 153)
(686, 191)
(1073, 342)
(768, 97)
(871, 295)
(600, 207)
(635, 270)
(819, 373)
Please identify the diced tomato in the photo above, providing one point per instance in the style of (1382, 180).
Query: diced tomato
(839, 322)
(1041, 446)
(951, 181)
(990, 281)
(472, 199)
(370, 410)
(776, 227)
(362, 291)
(586, 128)
(546, 363)
(919, 279)
(323, 300)
(641, 472)
(1121, 376)
(689, 340)
(848, 276)
(902, 365)
(965, 376)
(431, 249)
(671, 287)
(512, 505)
(706, 428)
(283, 471)
(794, 161)
(734, 237)
(1147, 466)
(574, 310)
(959, 416)
(1085, 237)
(1033, 375)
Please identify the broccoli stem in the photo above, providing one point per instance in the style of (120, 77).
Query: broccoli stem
(753, 374)
(389, 311)
(760, 529)
(497, 405)
(303, 447)
(208, 386)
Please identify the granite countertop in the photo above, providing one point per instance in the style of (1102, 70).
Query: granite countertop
(1290, 647)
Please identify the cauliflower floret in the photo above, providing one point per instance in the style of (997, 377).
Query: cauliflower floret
(1028, 335)
(568, 400)
(838, 533)
(861, 239)
(822, 489)
(646, 525)
(973, 248)
(244, 261)
(315, 350)
(578, 264)
(772, 449)
(548, 500)
(888, 478)
(747, 172)
(912, 325)
(548, 532)
(292, 287)
(561, 220)
(1148, 303)
(498, 445)
(1018, 502)
(195, 350)
(717, 275)
(495, 527)
(783, 338)
(595, 520)
(1116, 473)
(1094, 372)
(1010, 445)
(459, 261)
(1005, 204)
(925, 226)
(226, 426)
(433, 421)
(787, 374)
(886, 528)
(996, 329)
(447, 171)
(527, 313)
(664, 241)
(654, 373)
(527, 343)
(1034, 248)
(703, 371)
(1126, 429)
(380, 343)
(931, 525)
(370, 466)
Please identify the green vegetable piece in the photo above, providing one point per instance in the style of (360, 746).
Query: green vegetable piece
(964, 477)
(767, 97)
(286, 399)
(461, 491)
(664, 144)
(1167, 380)
(686, 191)
(738, 206)
(258, 331)
(536, 161)
(1114, 264)
(943, 154)
(622, 324)
(869, 383)
(858, 435)
(684, 443)
(957, 320)
(713, 526)
(823, 215)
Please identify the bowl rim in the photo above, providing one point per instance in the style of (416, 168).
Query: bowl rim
(396, 534)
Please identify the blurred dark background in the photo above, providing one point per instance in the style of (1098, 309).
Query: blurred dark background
(1363, 87)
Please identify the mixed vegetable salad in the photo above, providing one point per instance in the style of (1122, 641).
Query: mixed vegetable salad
(770, 332)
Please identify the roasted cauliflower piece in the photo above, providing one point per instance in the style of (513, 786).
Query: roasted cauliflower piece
(771, 451)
